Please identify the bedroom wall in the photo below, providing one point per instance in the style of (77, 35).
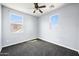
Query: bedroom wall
(66, 33)
(29, 28)
(0, 26)
(78, 34)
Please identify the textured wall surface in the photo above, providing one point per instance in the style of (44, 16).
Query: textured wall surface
(29, 28)
(0, 28)
(66, 32)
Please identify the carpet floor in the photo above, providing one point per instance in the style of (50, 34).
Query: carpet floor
(37, 47)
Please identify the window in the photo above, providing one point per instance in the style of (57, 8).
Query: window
(54, 20)
(16, 23)
(16, 18)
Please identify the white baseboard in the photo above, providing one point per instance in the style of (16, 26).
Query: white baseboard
(18, 42)
(61, 45)
(44, 40)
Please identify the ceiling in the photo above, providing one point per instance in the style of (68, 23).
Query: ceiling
(29, 7)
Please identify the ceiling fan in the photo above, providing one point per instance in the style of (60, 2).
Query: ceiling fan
(37, 7)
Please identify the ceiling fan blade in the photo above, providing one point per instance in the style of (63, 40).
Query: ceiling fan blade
(42, 6)
(40, 11)
(34, 11)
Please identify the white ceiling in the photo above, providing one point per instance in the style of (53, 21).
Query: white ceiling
(29, 7)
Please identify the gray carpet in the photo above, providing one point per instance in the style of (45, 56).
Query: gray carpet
(37, 47)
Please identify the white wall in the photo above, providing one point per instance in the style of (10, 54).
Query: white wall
(0, 28)
(29, 28)
(66, 33)
(78, 34)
